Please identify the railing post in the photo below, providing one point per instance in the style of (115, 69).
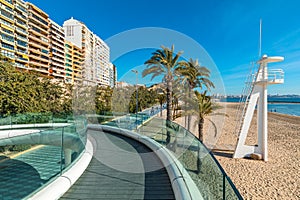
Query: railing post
(61, 150)
(224, 187)
(10, 121)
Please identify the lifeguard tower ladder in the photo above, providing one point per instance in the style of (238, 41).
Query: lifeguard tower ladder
(257, 89)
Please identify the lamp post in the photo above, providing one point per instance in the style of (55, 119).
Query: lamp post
(137, 95)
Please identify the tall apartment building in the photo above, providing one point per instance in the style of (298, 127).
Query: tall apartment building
(71, 53)
(101, 59)
(95, 52)
(73, 63)
(21, 34)
(7, 29)
(39, 43)
(14, 31)
(112, 75)
(57, 51)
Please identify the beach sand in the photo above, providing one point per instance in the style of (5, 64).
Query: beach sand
(279, 177)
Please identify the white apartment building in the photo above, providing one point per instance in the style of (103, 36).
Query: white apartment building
(95, 52)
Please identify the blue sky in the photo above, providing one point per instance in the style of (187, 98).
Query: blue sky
(227, 29)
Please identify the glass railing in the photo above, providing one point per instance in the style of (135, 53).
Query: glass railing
(207, 174)
(203, 168)
(37, 148)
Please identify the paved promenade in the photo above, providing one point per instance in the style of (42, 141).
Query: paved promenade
(121, 168)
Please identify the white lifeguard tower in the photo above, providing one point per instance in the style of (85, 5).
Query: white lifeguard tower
(257, 95)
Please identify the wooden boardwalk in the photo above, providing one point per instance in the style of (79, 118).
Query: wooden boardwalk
(121, 168)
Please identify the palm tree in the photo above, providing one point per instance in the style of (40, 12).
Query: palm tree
(161, 97)
(205, 108)
(195, 76)
(199, 106)
(164, 62)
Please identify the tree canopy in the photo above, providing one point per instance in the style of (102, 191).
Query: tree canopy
(23, 92)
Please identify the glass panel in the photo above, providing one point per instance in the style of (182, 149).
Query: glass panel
(200, 164)
(230, 191)
(37, 150)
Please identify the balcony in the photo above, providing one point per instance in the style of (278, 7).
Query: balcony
(57, 44)
(22, 31)
(21, 59)
(32, 9)
(57, 32)
(57, 75)
(36, 45)
(8, 3)
(37, 51)
(77, 75)
(20, 8)
(20, 65)
(58, 52)
(21, 51)
(58, 69)
(37, 30)
(7, 18)
(21, 17)
(7, 32)
(274, 76)
(38, 22)
(21, 45)
(68, 62)
(41, 67)
(39, 58)
(8, 40)
(58, 61)
(21, 37)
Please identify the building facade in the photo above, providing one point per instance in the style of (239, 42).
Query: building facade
(57, 52)
(73, 63)
(71, 53)
(95, 69)
(38, 40)
(21, 34)
(14, 31)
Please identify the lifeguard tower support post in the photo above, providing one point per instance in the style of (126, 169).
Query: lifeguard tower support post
(258, 96)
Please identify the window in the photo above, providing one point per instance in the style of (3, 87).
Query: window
(66, 45)
(9, 1)
(7, 53)
(22, 8)
(45, 57)
(21, 22)
(36, 29)
(7, 37)
(70, 30)
(22, 43)
(44, 39)
(44, 51)
(39, 19)
(7, 31)
(7, 14)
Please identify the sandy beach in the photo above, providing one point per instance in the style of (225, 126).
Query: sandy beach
(279, 178)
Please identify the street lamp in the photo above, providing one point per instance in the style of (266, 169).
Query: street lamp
(137, 95)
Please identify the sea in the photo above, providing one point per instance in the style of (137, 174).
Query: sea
(284, 105)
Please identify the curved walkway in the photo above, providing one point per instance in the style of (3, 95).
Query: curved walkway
(121, 168)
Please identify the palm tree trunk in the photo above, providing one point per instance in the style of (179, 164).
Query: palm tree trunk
(189, 122)
(199, 163)
(200, 129)
(189, 116)
(169, 109)
(160, 109)
(169, 100)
